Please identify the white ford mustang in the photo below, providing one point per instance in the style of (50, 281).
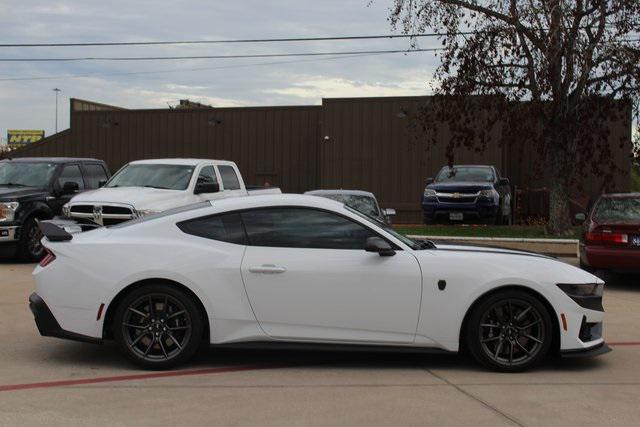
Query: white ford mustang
(306, 271)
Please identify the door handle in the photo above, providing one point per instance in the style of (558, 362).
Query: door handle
(267, 269)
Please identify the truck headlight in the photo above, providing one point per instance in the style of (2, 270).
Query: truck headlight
(582, 289)
(429, 192)
(145, 212)
(487, 194)
(8, 211)
(66, 211)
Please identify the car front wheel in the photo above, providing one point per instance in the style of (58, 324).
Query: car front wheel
(509, 331)
(30, 246)
(158, 326)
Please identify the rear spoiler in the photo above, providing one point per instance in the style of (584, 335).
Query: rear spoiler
(53, 232)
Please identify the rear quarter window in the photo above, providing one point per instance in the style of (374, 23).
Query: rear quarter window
(224, 227)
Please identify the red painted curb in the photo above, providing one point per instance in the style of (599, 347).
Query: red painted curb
(151, 375)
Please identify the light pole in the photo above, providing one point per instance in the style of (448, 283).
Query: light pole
(56, 90)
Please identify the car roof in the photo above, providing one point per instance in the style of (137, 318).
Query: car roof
(340, 191)
(266, 200)
(180, 161)
(51, 160)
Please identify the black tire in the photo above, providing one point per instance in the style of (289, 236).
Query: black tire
(29, 246)
(427, 220)
(527, 331)
(162, 334)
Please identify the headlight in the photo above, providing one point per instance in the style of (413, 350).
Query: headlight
(145, 212)
(488, 194)
(8, 211)
(582, 290)
(66, 211)
(429, 192)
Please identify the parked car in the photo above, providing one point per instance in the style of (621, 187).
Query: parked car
(362, 201)
(34, 189)
(467, 193)
(150, 186)
(610, 237)
(287, 270)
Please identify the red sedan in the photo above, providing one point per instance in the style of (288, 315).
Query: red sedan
(611, 235)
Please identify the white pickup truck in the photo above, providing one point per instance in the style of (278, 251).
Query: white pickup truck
(150, 186)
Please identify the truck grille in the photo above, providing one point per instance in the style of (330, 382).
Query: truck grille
(103, 214)
(457, 197)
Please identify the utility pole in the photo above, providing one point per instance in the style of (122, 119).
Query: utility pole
(56, 90)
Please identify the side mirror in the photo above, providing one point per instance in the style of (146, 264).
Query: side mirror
(101, 183)
(206, 187)
(430, 181)
(580, 217)
(70, 187)
(379, 245)
(504, 181)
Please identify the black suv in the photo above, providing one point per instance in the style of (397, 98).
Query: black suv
(34, 189)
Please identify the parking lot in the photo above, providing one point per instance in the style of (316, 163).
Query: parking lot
(54, 382)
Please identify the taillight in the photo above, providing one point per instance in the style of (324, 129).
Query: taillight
(48, 258)
(607, 237)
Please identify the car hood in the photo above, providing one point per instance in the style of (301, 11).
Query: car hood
(460, 187)
(10, 192)
(141, 198)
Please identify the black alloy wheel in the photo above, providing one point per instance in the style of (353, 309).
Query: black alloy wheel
(510, 331)
(158, 326)
(30, 246)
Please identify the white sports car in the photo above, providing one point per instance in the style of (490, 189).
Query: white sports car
(294, 270)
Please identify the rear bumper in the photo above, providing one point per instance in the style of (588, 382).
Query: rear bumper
(625, 259)
(47, 324)
(596, 350)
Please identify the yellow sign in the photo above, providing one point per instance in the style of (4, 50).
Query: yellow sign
(23, 137)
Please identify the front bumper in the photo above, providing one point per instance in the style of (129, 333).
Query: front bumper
(434, 209)
(9, 233)
(596, 350)
(47, 324)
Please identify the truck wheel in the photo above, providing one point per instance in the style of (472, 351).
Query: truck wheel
(29, 247)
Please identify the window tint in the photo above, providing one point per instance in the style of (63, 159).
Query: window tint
(226, 228)
(303, 228)
(229, 178)
(207, 176)
(71, 173)
(95, 174)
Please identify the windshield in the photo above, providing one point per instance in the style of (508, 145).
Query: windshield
(25, 174)
(167, 177)
(465, 174)
(365, 204)
(618, 209)
(386, 227)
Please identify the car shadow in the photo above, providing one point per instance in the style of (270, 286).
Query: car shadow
(108, 356)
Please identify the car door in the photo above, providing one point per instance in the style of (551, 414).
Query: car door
(231, 184)
(68, 173)
(308, 277)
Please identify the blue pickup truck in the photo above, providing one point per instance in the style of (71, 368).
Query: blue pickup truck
(467, 193)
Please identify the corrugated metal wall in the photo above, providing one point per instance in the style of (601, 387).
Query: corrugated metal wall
(363, 143)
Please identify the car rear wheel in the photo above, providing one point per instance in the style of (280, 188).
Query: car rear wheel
(158, 326)
(509, 331)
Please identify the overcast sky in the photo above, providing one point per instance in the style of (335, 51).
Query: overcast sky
(225, 82)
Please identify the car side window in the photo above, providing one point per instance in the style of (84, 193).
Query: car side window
(225, 228)
(94, 174)
(303, 228)
(207, 176)
(229, 177)
(71, 173)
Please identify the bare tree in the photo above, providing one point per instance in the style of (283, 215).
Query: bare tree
(576, 63)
